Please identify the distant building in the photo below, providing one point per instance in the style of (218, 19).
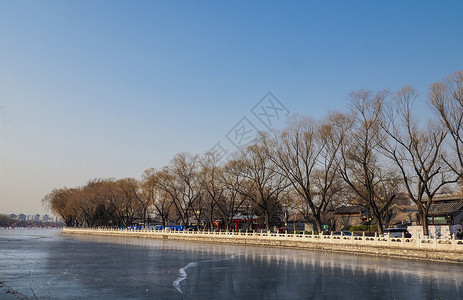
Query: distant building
(403, 215)
(36, 218)
(298, 221)
(347, 216)
(240, 221)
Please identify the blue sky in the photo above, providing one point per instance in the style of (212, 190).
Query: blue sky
(110, 88)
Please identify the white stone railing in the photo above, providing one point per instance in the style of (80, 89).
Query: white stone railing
(410, 243)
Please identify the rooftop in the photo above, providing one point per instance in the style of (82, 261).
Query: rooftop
(445, 208)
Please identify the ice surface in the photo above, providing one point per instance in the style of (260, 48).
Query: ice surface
(51, 265)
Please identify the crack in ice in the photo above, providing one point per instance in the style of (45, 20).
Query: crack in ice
(183, 275)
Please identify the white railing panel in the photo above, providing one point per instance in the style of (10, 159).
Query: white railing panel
(410, 243)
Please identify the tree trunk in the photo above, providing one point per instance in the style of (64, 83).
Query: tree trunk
(379, 224)
(267, 221)
(424, 219)
(318, 223)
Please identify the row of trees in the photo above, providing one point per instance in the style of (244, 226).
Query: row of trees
(367, 156)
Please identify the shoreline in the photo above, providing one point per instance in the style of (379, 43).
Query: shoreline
(313, 242)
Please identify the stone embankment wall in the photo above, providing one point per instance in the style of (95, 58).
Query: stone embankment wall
(452, 251)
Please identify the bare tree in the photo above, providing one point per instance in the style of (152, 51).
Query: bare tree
(63, 203)
(115, 201)
(262, 184)
(87, 201)
(417, 151)
(94, 205)
(329, 182)
(302, 155)
(232, 200)
(158, 197)
(446, 99)
(126, 188)
(211, 184)
(360, 163)
(180, 182)
(137, 202)
(98, 203)
(329, 190)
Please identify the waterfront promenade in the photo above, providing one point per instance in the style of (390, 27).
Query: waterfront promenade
(410, 248)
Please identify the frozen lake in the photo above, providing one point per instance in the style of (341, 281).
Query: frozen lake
(46, 264)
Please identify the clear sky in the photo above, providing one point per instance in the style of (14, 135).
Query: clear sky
(110, 88)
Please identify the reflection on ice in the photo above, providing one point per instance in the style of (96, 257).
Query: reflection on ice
(326, 261)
